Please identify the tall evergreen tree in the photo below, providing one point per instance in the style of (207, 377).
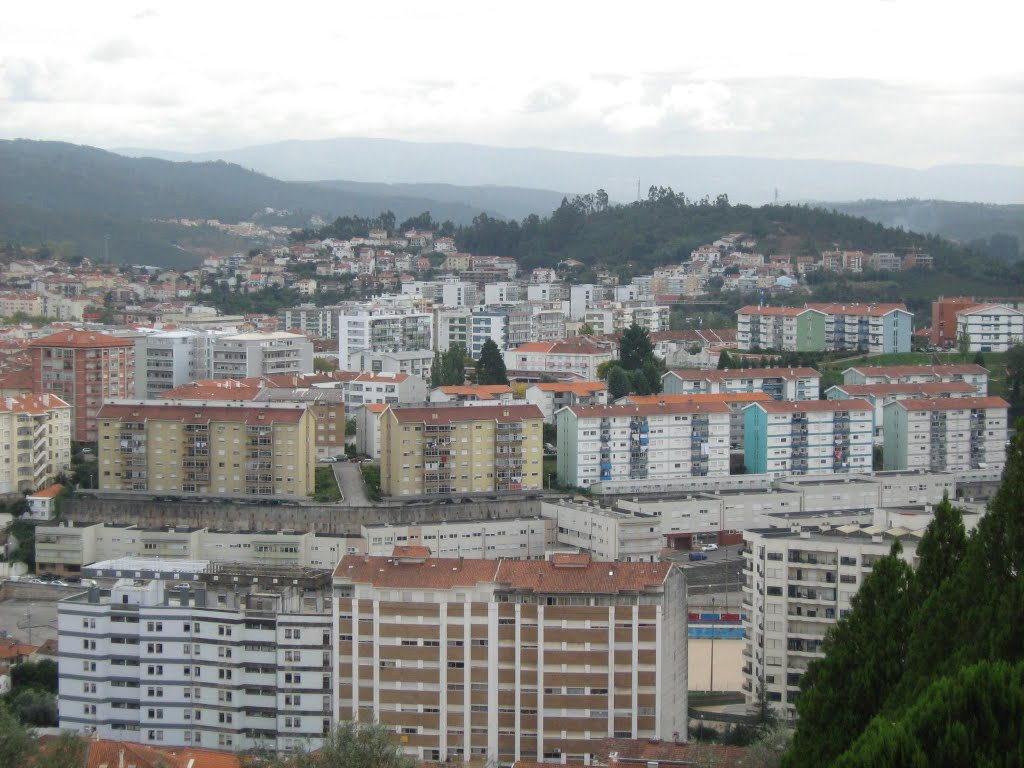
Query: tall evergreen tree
(619, 384)
(435, 370)
(490, 368)
(941, 550)
(635, 347)
(724, 361)
(864, 655)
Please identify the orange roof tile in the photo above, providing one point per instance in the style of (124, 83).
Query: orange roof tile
(952, 403)
(899, 371)
(48, 493)
(645, 751)
(701, 397)
(572, 576)
(376, 407)
(12, 649)
(201, 414)
(868, 310)
(433, 573)
(646, 409)
(817, 406)
(34, 404)
(446, 414)
(410, 551)
(776, 311)
(688, 374)
(482, 391)
(576, 387)
(910, 388)
(82, 340)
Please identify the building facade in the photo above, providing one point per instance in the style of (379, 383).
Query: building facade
(780, 383)
(511, 660)
(974, 375)
(382, 331)
(454, 449)
(808, 437)
(945, 434)
(170, 359)
(83, 369)
(218, 448)
(36, 432)
(246, 355)
(990, 327)
(878, 329)
(789, 329)
(599, 443)
(190, 654)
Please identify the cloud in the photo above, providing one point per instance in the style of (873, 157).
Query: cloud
(145, 13)
(116, 50)
(21, 80)
(550, 97)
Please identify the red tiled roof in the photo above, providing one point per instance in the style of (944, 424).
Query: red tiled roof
(687, 374)
(952, 403)
(12, 649)
(446, 414)
(899, 371)
(776, 311)
(577, 387)
(482, 391)
(81, 340)
(572, 577)
(643, 751)
(433, 573)
(868, 310)
(576, 345)
(48, 493)
(985, 308)
(702, 397)
(910, 388)
(819, 406)
(202, 414)
(31, 404)
(647, 409)
(410, 551)
(20, 379)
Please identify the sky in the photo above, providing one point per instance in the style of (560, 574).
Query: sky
(906, 82)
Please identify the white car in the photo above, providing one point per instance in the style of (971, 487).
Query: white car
(709, 548)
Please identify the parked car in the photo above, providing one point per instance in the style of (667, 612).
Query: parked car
(549, 448)
(709, 548)
(329, 460)
(698, 556)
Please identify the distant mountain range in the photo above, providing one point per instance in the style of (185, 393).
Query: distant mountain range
(744, 179)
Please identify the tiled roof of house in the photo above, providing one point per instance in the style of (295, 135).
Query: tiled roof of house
(646, 409)
(433, 573)
(619, 752)
(952, 403)
(775, 311)
(480, 391)
(687, 374)
(21, 379)
(899, 371)
(987, 307)
(447, 414)
(576, 387)
(202, 414)
(815, 406)
(49, 492)
(32, 404)
(910, 388)
(868, 310)
(82, 340)
(578, 577)
(701, 397)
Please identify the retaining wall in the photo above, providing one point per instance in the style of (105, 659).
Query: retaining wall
(147, 513)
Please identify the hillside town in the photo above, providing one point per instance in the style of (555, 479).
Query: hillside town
(257, 525)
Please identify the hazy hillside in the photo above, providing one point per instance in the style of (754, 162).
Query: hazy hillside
(57, 191)
(964, 222)
(748, 180)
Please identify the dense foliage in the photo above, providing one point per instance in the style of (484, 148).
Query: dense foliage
(449, 367)
(490, 368)
(927, 668)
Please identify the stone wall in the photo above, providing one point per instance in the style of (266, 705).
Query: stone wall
(147, 513)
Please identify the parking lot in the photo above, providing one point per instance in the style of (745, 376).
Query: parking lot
(29, 621)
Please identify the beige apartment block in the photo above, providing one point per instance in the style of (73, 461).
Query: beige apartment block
(35, 441)
(221, 448)
(511, 660)
(458, 449)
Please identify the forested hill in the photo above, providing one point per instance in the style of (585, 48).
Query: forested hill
(666, 227)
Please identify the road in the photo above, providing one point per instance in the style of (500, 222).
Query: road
(350, 481)
(30, 620)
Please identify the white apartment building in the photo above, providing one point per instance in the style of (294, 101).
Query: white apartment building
(169, 359)
(796, 587)
(582, 297)
(548, 291)
(452, 326)
(790, 329)
(309, 318)
(37, 431)
(808, 437)
(878, 329)
(188, 654)
(599, 443)
(511, 660)
(974, 375)
(608, 535)
(580, 355)
(523, 538)
(486, 326)
(383, 388)
(547, 324)
(65, 548)
(990, 327)
(459, 293)
(504, 293)
(382, 329)
(413, 363)
(780, 383)
(945, 434)
(879, 395)
(551, 397)
(246, 355)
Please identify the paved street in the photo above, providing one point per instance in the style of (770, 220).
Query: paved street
(351, 483)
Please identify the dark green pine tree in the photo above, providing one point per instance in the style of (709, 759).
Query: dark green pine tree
(619, 384)
(490, 368)
(724, 361)
(634, 347)
(435, 370)
(941, 550)
(864, 655)
(453, 365)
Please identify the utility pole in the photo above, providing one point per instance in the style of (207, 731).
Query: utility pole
(711, 685)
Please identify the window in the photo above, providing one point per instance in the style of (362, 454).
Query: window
(154, 626)
(224, 674)
(154, 647)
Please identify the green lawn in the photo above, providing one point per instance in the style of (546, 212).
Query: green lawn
(327, 490)
(994, 361)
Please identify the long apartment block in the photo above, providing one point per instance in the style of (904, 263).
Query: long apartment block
(188, 654)
(511, 660)
(796, 587)
(780, 383)
(791, 329)
(222, 448)
(808, 438)
(456, 449)
(878, 329)
(36, 432)
(946, 434)
(607, 443)
(975, 375)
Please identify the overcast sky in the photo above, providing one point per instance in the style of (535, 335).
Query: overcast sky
(913, 83)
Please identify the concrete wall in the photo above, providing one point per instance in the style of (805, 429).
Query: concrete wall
(319, 519)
